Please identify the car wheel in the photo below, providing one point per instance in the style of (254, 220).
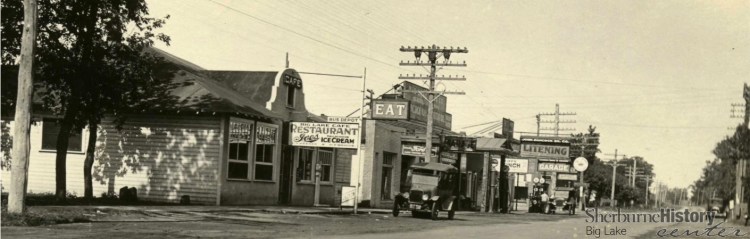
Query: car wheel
(396, 210)
(435, 211)
(451, 214)
(414, 213)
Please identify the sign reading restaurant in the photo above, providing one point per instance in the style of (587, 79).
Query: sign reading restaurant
(545, 147)
(329, 135)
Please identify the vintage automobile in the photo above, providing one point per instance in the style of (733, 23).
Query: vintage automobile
(431, 190)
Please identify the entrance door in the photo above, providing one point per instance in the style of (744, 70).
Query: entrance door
(285, 178)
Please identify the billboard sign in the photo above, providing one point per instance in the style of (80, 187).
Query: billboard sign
(545, 147)
(329, 135)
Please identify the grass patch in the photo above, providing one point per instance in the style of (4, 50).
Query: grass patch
(49, 199)
(35, 217)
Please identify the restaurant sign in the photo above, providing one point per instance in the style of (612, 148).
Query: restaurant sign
(329, 135)
(390, 109)
(556, 167)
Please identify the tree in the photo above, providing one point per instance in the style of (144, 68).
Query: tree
(91, 63)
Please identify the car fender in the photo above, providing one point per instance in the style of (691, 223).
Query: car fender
(447, 203)
(435, 198)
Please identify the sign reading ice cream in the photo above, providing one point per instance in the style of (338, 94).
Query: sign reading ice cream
(328, 135)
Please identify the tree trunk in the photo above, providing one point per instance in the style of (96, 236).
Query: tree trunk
(21, 129)
(63, 137)
(88, 186)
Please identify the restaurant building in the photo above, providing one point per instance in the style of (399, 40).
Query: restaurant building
(222, 139)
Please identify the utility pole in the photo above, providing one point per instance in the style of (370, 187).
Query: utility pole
(433, 53)
(22, 118)
(556, 121)
(583, 144)
(634, 170)
(648, 179)
(741, 167)
(614, 165)
(538, 124)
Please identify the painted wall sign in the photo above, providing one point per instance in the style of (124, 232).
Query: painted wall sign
(240, 130)
(555, 167)
(292, 81)
(543, 150)
(418, 107)
(330, 135)
(390, 109)
(265, 134)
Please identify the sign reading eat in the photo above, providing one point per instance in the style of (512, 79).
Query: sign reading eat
(390, 109)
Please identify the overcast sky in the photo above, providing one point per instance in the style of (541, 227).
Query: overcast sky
(656, 78)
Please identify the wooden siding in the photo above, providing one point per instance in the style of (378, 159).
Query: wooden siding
(164, 157)
(42, 166)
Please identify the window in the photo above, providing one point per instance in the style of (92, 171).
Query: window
(50, 130)
(240, 139)
(265, 143)
(290, 96)
(304, 168)
(325, 158)
(387, 176)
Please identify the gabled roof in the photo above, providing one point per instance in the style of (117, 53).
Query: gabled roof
(194, 90)
(190, 90)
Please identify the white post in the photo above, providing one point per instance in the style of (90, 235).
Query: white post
(359, 146)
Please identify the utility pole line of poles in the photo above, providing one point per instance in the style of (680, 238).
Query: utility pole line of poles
(22, 118)
(433, 53)
(556, 128)
(614, 165)
(741, 170)
(648, 179)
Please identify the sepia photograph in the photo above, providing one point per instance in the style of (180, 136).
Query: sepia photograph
(375, 119)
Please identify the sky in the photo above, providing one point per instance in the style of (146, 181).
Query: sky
(656, 78)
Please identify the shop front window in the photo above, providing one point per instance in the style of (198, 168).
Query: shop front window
(305, 166)
(265, 144)
(240, 139)
(325, 157)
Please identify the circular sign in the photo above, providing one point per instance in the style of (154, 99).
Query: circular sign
(541, 180)
(536, 180)
(580, 164)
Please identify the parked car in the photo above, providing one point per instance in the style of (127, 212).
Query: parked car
(431, 190)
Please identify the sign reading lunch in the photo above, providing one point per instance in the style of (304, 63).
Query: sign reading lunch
(329, 135)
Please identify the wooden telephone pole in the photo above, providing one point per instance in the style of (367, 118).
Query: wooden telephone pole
(433, 54)
(22, 120)
(556, 128)
(741, 167)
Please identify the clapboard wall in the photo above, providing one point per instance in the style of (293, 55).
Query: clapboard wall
(164, 156)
